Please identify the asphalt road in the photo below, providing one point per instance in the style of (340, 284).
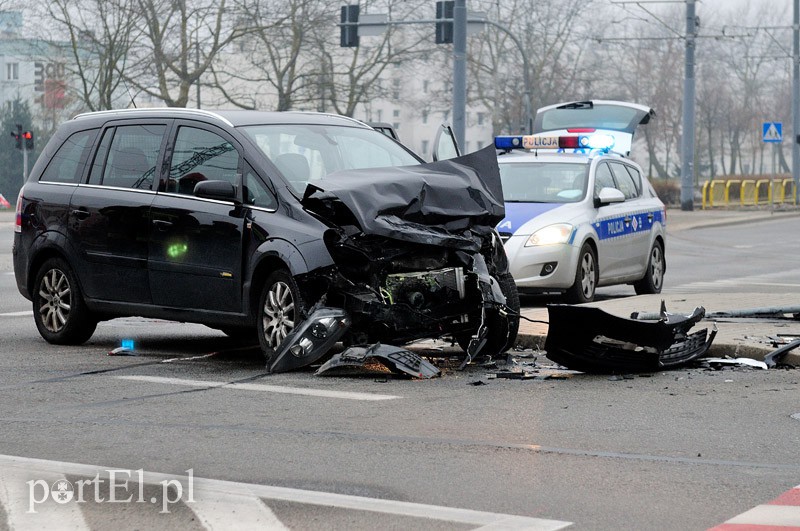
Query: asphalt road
(684, 449)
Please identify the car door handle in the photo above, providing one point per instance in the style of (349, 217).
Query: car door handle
(80, 213)
(650, 216)
(627, 219)
(162, 224)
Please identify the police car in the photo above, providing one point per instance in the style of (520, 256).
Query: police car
(579, 214)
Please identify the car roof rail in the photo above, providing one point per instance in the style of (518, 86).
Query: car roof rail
(179, 110)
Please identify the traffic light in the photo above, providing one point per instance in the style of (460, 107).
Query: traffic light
(18, 136)
(28, 136)
(349, 32)
(444, 29)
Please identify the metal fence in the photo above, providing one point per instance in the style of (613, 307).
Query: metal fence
(748, 192)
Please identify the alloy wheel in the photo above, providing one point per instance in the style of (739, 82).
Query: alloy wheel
(55, 297)
(279, 313)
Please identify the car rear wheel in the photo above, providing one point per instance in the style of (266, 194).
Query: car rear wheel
(59, 310)
(280, 309)
(653, 278)
(582, 290)
(502, 330)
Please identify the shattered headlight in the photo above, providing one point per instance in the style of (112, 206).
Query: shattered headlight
(551, 235)
(311, 340)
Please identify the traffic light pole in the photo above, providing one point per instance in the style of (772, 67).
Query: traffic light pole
(687, 141)
(459, 70)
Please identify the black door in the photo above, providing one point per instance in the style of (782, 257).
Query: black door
(195, 256)
(109, 219)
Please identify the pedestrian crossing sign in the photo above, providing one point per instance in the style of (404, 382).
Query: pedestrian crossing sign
(772, 132)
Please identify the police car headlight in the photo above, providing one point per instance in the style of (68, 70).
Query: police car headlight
(551, 235)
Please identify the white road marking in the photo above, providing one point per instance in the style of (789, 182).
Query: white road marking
(212, 487)
(772, 515)
(15, 498)
(26, 313)
(261, 387)
(219, 510)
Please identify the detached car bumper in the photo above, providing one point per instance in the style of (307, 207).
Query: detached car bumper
(530, 265)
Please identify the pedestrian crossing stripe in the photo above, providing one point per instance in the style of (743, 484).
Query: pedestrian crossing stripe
(216, 502)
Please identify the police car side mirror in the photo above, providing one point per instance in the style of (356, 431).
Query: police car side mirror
(607, 196)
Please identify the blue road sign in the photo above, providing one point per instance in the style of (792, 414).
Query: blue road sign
(772, 132)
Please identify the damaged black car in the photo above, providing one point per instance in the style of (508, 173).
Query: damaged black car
(307, 229)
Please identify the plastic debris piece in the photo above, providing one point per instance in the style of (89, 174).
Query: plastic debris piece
(591, 340)
(396, 359)
(773, 358)
(741, 362)
(477, 383)
(122, 351)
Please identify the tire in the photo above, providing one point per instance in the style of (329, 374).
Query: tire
(502, 331)
(586, 274)
(653, 279)
(59, 310)
(280, 309)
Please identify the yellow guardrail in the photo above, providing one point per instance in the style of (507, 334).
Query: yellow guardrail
(721, 192)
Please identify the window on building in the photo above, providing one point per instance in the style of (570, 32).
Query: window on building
(481, 118)
(396, 89)
(424, 147)
(380, 115)
(466, 147)
(396, 113)
(396, 125)
(424, 117)
(12, 71)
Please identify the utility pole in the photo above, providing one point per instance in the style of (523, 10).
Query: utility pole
(687, 142)
(459, 69)
(796, 100)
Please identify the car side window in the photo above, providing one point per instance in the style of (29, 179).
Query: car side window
(127, 156)
(636, 176)
(603, 178)
(201, 155)
(67, 164)
(256, 193)
(624, 181)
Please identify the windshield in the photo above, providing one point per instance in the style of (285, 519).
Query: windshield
(543, 182)
(305, 153)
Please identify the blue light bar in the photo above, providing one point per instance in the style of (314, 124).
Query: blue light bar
(508, 142)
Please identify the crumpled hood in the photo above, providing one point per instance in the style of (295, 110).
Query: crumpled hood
(435, 203)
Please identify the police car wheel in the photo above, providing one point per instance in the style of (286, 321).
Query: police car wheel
(59, 310)
(501, 330)
(582, 290)
(653, 278)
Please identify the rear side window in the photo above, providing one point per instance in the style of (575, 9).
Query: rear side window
(201, 155)
(624, 181)
(67, 164)
(636, 176)
(127, 157)
(603, 178)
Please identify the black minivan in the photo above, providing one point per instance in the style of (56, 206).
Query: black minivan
(308, 228)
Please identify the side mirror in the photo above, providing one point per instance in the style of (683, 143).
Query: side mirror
(445, 145)
(609, 195)
(219, 190)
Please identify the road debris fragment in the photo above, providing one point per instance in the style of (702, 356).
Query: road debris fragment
(397, 360)
(590, 340)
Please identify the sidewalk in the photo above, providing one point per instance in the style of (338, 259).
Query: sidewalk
(735, 337)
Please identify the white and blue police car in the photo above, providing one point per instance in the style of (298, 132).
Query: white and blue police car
(579, 214)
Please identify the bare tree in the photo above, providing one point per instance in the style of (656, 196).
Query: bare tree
(177, 43)
(279, 52)
(99, 40)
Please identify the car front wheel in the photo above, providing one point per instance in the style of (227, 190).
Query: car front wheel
(582, 290)
(281, 308)
(59, 310)
(653, 278)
